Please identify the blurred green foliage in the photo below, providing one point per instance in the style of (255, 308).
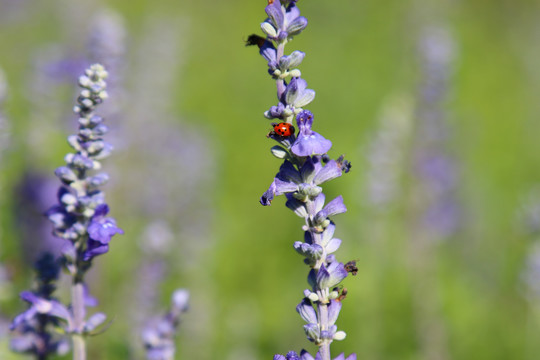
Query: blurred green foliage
(247, 282)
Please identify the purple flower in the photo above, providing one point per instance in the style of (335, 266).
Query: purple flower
(158, 335)
(298, 95)
(334, 207)
(304, 182)
(327, 277)
(308, 142)
(100, 232)
(307, 312)
(102, 228)
(40, 305)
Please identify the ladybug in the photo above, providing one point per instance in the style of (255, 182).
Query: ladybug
(283, 129)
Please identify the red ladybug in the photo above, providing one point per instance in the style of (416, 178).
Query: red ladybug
(283, 129)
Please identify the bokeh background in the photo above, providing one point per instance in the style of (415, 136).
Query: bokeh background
(435, 103)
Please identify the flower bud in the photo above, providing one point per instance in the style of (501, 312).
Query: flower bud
(94, 321)
(269, 29)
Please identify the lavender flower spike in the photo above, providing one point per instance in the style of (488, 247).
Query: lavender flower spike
(158, 335)
(306, 166)
(80, 216)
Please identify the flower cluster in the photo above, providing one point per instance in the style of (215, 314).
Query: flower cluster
(305, 168)
(32, 327)
(80, 217)
(158, 335)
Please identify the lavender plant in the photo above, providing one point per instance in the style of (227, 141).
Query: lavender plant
(34, 328)
(305, 168)
(80, 218)
(158, 335)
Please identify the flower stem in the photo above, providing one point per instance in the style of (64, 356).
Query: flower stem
(280, 84)
(79, 347)
(324, 349)
(77, 302)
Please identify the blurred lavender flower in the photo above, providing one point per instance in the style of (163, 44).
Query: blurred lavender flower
(51, 78)
(434, 209)
(158, 335)
(530, 276)
(387, 155)
(35, 193)
(107, 46)
(107, 41)
(4, 128)
(305, 168)
(34, 328)
(435, 169)
(529, 222)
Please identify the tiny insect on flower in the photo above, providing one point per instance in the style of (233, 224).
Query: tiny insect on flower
(283, 129)
(255, 40)
(351, 267)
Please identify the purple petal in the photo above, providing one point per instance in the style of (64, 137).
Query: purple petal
(304, 98)
(304, 120)
(268, 196)
(333, 311)
(351, 357)
(268, 52)
(288, 172)
(101, 210)
(297, 206)
(334, 207)
(23, 317)
(317, 204)
(292, 355)
(304, 355)
(314, 144)
(29, 296)
(95, 248)
(333, 245)
(331, 276)
(60, 311)
(283, 187)
(103, 229)
(275, 13)
(306, 311)
(89, 300)
(295, 89)
(308, 170)
(330, 171)
(297, 25)
(292, 13)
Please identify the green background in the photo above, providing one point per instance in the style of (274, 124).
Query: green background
(459, 298)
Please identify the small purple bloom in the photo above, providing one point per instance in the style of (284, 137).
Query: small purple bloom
(334, 207)
(298, 95)
(275, 112)
(327, 277)
(101, 228)
(307, 312)
(38, 306)
(309, 142)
